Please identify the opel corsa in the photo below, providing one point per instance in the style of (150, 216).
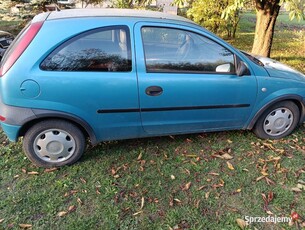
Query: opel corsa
(114, 74)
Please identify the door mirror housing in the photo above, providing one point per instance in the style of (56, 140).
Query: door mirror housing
(242, 69)
(224, 68)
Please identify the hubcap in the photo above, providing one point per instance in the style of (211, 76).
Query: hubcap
(54, 145)
(278, 121)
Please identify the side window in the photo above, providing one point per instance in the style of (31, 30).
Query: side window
(106, 49)
(173, 51)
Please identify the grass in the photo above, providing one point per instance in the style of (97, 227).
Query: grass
(175, 182)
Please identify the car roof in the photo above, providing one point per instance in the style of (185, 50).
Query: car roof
(77, 13)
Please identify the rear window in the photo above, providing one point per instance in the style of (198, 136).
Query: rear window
(105, 50)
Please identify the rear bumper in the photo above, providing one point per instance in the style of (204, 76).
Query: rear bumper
(11, 131)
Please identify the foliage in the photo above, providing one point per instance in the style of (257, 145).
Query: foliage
(210, 14)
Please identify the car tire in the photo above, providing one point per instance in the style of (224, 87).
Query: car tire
(54, 143)
(277, 121)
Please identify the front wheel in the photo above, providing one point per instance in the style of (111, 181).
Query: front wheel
(277, 121)
(54, 143)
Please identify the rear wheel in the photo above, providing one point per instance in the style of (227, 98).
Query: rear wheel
(278, 121)
(54, 143)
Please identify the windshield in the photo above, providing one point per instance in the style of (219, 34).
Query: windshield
(253, 59)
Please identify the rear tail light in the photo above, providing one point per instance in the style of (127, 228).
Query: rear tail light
(2, 118)
(19, 47)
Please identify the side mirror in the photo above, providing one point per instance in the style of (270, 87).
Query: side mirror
(242, 69)
(224, 68)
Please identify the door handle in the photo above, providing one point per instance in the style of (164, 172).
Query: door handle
(154, 91)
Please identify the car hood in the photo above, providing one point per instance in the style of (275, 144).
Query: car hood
(280, 70)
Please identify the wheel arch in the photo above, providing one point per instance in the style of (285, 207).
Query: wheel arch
(49, 115)
(298, 100)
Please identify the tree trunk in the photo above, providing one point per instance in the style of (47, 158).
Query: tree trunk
(267, 12)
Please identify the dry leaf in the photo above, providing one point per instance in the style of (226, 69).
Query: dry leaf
(229, 141)
(241, 223)
(296, 190)
(226, 156)
(264, 173)
(83, 180)
(1, 220)
(137, 213)
(79, 201)
(259, 178)
(238, 190)
(173, 177)
(50, 170)
(269, 212)
(140, 156)
(33, 173)
(187, 186)
(142, 203)
(61, 214)
(72, 208)
(23, 170)
(207, 194)
(177, 200)
(25, 225)
(230, 166)
(213, 174)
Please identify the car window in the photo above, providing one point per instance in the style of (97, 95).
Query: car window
(173, 50)
(105, 50)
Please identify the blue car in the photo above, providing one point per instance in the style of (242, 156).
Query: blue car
(111, 74)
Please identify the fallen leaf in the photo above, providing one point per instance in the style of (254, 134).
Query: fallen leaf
(229, 141)
(33, 173)
(23, 170)
(269, 181)
(201, 187)
(226, 156)
(269, 146)
(259, 178)
(241, 223)
(25, 225)
(296, 190)
(142, 202)
(1, 220)
(83, 180)
(230, 166)
(79, 201)
(187, 186)
(173, 177)
(177, 200)
(191, 155)
(269, 212)
(264, 173)
(16, 176)
(137, 213)
(207, 195)
(50, 170)
(238, 190)
(140, 156)
(213, 174)
(61, 214)
(72, 208)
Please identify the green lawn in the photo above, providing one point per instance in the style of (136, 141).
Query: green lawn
(199, 181)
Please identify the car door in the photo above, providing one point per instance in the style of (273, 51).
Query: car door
(187, 81)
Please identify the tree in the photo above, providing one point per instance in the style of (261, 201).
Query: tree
(267, 12)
